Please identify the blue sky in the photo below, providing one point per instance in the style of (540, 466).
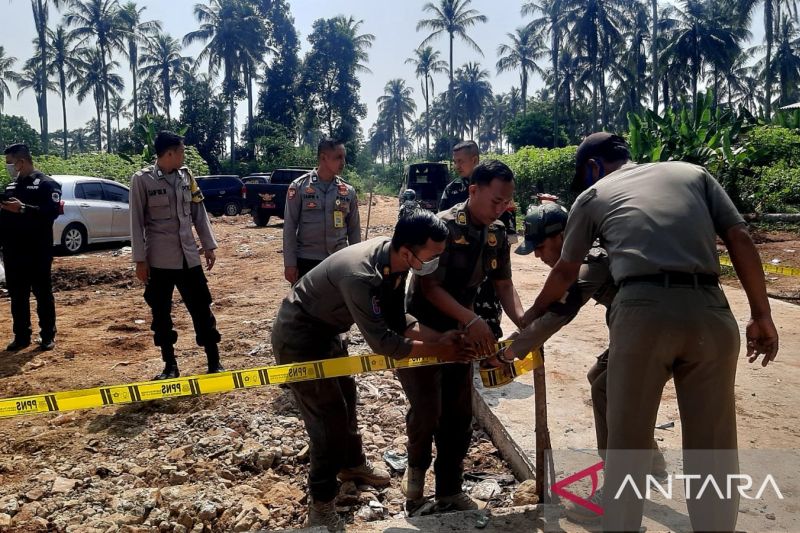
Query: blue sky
(392, 22)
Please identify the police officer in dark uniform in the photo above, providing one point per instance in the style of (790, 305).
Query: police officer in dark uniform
(27, 211)
(441, 397)
(466, 157)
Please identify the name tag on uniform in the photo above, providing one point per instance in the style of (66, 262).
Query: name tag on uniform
(338, 219)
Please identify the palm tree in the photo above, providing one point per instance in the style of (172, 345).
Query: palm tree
(79, 140)
(99, 20)
(162, 60)
(787, 60)
(33, 79)
(597, 30)
(41, 16)
(149, 97)
(6, 75)
(64, 65)
(361, 43)
(137, 31)
(226, 28)
(524, 49)
(452, 17)
(551, 23)
(119, 110)
(396, 107)
(703, 35)
(98, 79)
(427, 63)
(472, 92)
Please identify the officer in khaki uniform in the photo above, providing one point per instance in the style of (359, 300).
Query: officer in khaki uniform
(165, 202)
(659, 223)
(321, 215)
(363, 284)
(466, 156)
(544, 232)
(441, 397)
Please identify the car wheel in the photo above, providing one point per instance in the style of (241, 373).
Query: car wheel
(232, 209)
(73, 240)
(260, 219)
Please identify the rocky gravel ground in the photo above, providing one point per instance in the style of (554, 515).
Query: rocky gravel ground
(234, 462)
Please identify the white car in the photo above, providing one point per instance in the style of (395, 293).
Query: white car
(95, 210)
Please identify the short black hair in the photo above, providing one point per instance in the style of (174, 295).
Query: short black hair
(491, 169)
(471, 147)
(19, 151)
(166, 140)
(415, 227)
(327, 144)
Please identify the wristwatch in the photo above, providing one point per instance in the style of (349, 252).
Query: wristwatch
(22, 209)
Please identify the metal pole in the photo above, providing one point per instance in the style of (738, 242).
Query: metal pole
(542, 431)
(369, 207)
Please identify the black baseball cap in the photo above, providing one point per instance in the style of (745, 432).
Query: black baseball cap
(602, 144)
(541, 222)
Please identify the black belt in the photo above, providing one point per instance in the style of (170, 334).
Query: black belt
(668, 279)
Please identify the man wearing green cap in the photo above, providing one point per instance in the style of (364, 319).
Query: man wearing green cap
(544, 237)
(659, 223)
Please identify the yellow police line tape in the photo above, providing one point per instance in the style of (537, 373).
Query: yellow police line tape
(241, 379)
(772, 269)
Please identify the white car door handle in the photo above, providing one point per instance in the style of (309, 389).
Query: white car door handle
(117, 208)
(85, 205)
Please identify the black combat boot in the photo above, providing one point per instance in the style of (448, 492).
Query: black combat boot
(212, 354)
(170, 364)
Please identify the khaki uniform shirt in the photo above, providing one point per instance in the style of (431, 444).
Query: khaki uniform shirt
(357, 286)
(472, 254)
(594, 281)
(318, 223)
(654, 218)
(163, 209)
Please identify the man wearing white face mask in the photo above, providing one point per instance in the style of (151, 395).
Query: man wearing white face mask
(441, 397)
(362, 284)
(28, 209)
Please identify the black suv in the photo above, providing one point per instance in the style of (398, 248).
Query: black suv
(224, 195)
(267, 200)
(428, 180)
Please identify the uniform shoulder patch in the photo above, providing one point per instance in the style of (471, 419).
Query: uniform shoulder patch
(291, 193)
(56, 196)
(461, 218)
(376, 306)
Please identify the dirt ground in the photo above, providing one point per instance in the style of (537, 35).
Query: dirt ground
(104, 338)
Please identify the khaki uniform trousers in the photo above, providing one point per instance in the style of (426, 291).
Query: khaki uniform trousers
(689, 332)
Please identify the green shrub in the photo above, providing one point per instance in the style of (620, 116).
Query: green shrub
(773, 189)
(110, 166)
(541, 170)
(774, 144)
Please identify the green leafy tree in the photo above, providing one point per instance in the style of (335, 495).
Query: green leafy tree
(203, 113)
(137, 31)
(534, 128)
(329, 85)
(454, 18)
(278, 99)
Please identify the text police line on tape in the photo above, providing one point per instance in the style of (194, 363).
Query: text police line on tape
(241, 379)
